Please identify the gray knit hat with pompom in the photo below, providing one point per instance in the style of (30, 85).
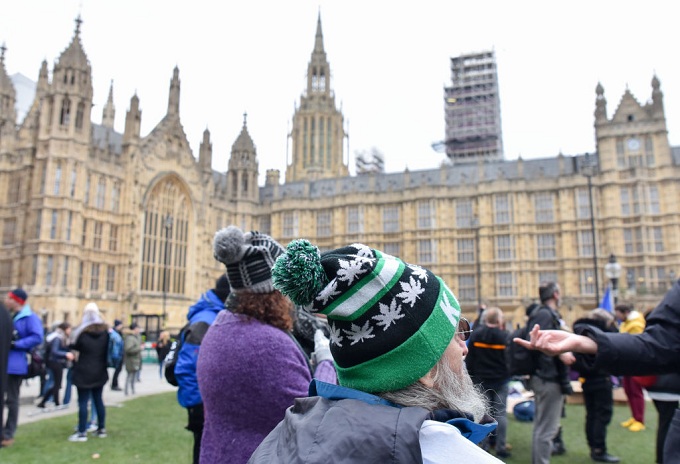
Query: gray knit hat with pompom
(248, 258)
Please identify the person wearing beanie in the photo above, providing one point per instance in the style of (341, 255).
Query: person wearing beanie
(250, 368)
(200, 317)
(27, 334)
(91, 340)
(398, 342)
(58, 355)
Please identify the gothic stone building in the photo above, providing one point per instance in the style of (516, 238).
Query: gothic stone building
(127, 220)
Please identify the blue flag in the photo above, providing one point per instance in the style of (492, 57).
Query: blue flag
(608, 300)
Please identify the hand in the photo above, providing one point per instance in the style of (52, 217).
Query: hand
(568, 358)
(322, 349)
(70, 356)
(554, 342)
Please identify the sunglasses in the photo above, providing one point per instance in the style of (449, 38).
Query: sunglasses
(464, 329)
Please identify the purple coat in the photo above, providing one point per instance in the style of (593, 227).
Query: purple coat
(249, 373)
(29, 333)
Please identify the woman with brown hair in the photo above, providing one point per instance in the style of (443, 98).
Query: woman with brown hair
(162, 350)
(250, 368)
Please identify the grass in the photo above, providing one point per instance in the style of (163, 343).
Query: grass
(151, 429)
(631, 447)
(146, 429)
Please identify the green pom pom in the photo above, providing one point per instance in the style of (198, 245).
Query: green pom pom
(298, 273)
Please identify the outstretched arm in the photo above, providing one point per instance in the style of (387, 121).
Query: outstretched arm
(554, 342)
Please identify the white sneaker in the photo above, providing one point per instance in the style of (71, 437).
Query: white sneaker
(92, 428)
(78, 437)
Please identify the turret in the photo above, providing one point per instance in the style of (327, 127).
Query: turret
(205, 152)
(133, 123)
(243, 168)
(109, 112)
(600, 105)
(173, 99)
(8, 114)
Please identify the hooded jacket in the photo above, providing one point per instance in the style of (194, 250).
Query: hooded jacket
(92, 345)
(28, 333)
(132, 343)
(201, 316)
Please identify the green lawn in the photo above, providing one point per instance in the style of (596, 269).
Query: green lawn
(148, 429)
(151, 429)
(631, 447)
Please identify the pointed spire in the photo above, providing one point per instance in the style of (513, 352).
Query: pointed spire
(109, 112)
(74, 55)
(244, 142)
(133, 122)
(173, 99)
(657, 97)
(205, 152)
(318, 42)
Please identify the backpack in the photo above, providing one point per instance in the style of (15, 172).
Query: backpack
(36, 362)
(520, 360)
(171, 358)
(114, 354)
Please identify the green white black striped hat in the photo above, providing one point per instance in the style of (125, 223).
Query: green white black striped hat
(390, 321)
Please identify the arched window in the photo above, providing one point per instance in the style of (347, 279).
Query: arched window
(65, 116)
(80, 113)
(165, 238)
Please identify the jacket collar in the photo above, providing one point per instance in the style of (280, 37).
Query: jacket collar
(468, 428)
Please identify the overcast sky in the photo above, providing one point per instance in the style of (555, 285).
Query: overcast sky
(389, 65)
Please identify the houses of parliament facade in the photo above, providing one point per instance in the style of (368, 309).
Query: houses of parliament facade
(127, 220)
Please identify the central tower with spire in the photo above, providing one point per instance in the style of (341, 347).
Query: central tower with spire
(318, 128)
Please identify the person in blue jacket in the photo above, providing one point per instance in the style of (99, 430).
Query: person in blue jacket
(200, 316)
(28, 333)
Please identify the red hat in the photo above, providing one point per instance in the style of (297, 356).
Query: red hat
(18, 295)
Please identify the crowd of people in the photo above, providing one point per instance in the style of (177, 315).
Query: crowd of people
(355, 355)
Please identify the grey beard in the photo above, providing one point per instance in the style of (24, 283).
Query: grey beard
(450, 391)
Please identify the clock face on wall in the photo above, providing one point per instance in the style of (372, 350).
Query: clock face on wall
(633, 144)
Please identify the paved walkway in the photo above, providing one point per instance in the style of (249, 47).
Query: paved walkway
(150, 385)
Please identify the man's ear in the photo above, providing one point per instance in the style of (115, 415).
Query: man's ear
(427, 379)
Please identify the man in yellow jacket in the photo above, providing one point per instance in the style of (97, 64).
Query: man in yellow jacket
(632, 322)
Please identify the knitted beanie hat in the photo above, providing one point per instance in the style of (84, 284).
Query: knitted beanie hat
(390, 321)
(248, 257)
(19, 295)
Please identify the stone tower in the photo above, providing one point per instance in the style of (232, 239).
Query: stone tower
(242, 174)
(318, 131)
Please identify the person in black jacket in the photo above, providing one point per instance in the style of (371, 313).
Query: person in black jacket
(91, 340)
(654, 351)
(487, 367)
(597, 390)
(550, 381)
(57, 356)
(5, 343)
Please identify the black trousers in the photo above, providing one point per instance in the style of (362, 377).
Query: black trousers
(599, 408)
(666, 409)
(57, 375)
(195, 425)
(116, 373)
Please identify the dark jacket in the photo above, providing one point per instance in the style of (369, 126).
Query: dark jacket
(56, 351)
(5, 340)
(485, 360)
(654, 351)
(666, 383)
(92, 345)
(594, 378)
(549, 368)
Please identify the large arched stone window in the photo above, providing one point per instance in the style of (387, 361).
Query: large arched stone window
(165, 238)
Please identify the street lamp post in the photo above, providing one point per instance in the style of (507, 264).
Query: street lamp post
(613, 271)
(588, 169)
(167, 225)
